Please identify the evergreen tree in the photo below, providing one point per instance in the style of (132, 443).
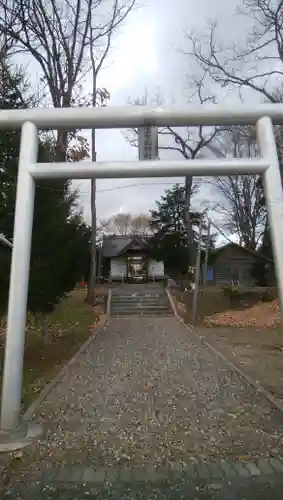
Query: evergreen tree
(60, 236)
(169, 216)
(169, 241)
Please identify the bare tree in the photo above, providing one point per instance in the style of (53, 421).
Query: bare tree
(58, 35)
(141, 225)
(241, 208)
(123, 224)
(68, 40)
(6, 42)
(97, 59)
(189, 142)
(54, 33)
(241, 205)
(257, 65)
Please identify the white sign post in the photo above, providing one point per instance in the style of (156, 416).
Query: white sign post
(148, 143)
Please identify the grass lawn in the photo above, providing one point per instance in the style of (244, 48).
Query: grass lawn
(69, 326)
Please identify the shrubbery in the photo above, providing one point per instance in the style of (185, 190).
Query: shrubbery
(60, 237)
(238, 293)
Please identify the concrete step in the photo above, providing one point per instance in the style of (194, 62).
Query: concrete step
(139, 297)
(143, 312)
(127, 294)
(120, 290)
(138, 294)
(140, 304)
(140, 310)
(140, 300)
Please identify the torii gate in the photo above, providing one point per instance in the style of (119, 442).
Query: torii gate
(264, 116)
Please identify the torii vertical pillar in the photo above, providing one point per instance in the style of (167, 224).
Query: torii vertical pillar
(19, 277)
(273, 196)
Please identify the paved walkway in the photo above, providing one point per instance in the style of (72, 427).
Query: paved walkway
(149, 412)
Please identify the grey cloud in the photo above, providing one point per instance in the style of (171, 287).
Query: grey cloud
(170, 76)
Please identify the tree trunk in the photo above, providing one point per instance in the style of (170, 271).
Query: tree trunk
(188, 222)
(62, 135)
(61, 145)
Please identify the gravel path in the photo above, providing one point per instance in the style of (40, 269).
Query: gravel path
(147, 393)
(183, 489)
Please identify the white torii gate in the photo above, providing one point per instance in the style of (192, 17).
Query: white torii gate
(264, 116)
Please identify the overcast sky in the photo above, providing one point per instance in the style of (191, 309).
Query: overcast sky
(144, 56)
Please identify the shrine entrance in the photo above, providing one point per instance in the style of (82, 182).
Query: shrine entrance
(31, 120)
(137, 268)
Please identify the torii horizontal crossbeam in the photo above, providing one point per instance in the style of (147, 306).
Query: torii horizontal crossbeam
(149, 168)
(139, 116)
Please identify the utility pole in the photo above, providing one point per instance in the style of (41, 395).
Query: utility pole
(206, 253)
(92, 274)
(92, 271)
(99, 264)
(187, 220)
(197, 277)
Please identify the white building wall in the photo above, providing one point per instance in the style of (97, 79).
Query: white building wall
(118, 268)
(155, 268)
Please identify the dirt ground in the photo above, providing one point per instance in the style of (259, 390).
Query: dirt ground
(257, 351)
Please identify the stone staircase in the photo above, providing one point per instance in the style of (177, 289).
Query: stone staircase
(140, 299)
